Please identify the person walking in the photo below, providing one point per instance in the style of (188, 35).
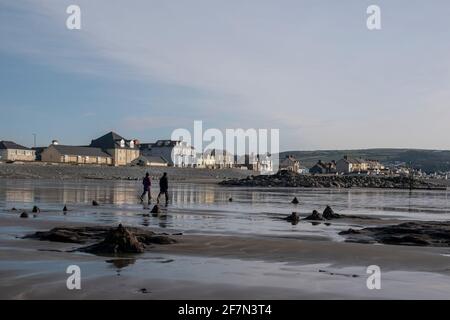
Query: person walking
(163, 188)
(147, 182)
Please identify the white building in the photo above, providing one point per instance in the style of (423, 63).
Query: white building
(219, 158)
(11, 151)
(177, 153)
(261, 163)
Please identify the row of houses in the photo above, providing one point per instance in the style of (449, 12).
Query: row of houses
(109, 149)
(113, 149)
(346, 165)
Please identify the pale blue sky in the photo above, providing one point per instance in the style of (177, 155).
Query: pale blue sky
(309, 68)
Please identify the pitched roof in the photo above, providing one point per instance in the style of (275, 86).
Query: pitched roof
(80, 151)
(111, 140)
(12, 145)
(166, 143)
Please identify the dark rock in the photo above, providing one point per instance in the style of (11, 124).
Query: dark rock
(94, 203)
(315, 216)
(329, 214)
(36, 209)
(13, 209)
(295, 201)
(110, 238)
(294, 218)
(24, 215)
(426, 233)
(349, 231)
(71, 235)
(119, 240)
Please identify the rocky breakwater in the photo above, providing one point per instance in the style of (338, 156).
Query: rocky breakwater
(292, 179)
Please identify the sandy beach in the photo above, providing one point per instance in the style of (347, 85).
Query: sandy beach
(54, 171)
(238, 250)
(209, 267)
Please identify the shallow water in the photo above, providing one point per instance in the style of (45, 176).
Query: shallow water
(205, 208)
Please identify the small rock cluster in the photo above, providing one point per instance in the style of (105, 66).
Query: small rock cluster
(328, 214)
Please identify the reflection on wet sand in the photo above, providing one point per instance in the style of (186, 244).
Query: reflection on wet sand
(111, 192)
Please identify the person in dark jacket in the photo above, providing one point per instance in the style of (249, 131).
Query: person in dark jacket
(163, 187)
(147, 182)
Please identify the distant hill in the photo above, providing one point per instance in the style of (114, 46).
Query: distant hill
(426, 160)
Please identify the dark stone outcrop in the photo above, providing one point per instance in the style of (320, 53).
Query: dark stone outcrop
(417, 233)
(294, 218)
(295, 201)
(24, 215)
(71, 235)
(349, 231)
(119, 240)
(108, 239)
(314, 216)
(329, 214)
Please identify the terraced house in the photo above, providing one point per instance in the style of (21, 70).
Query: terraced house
(177, 153)
(11, 151)
(73, 154)
(348, 165)
(122, 151)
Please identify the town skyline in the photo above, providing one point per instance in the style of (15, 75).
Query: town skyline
(39, 143)
(312, 70)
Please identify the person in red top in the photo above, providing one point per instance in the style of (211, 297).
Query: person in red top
(147, 182)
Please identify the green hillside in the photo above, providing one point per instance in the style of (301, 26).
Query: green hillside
(426, 160)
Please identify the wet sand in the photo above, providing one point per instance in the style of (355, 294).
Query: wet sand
(219, 267)
(239, 249)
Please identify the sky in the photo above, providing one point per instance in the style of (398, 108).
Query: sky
(311, 69)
